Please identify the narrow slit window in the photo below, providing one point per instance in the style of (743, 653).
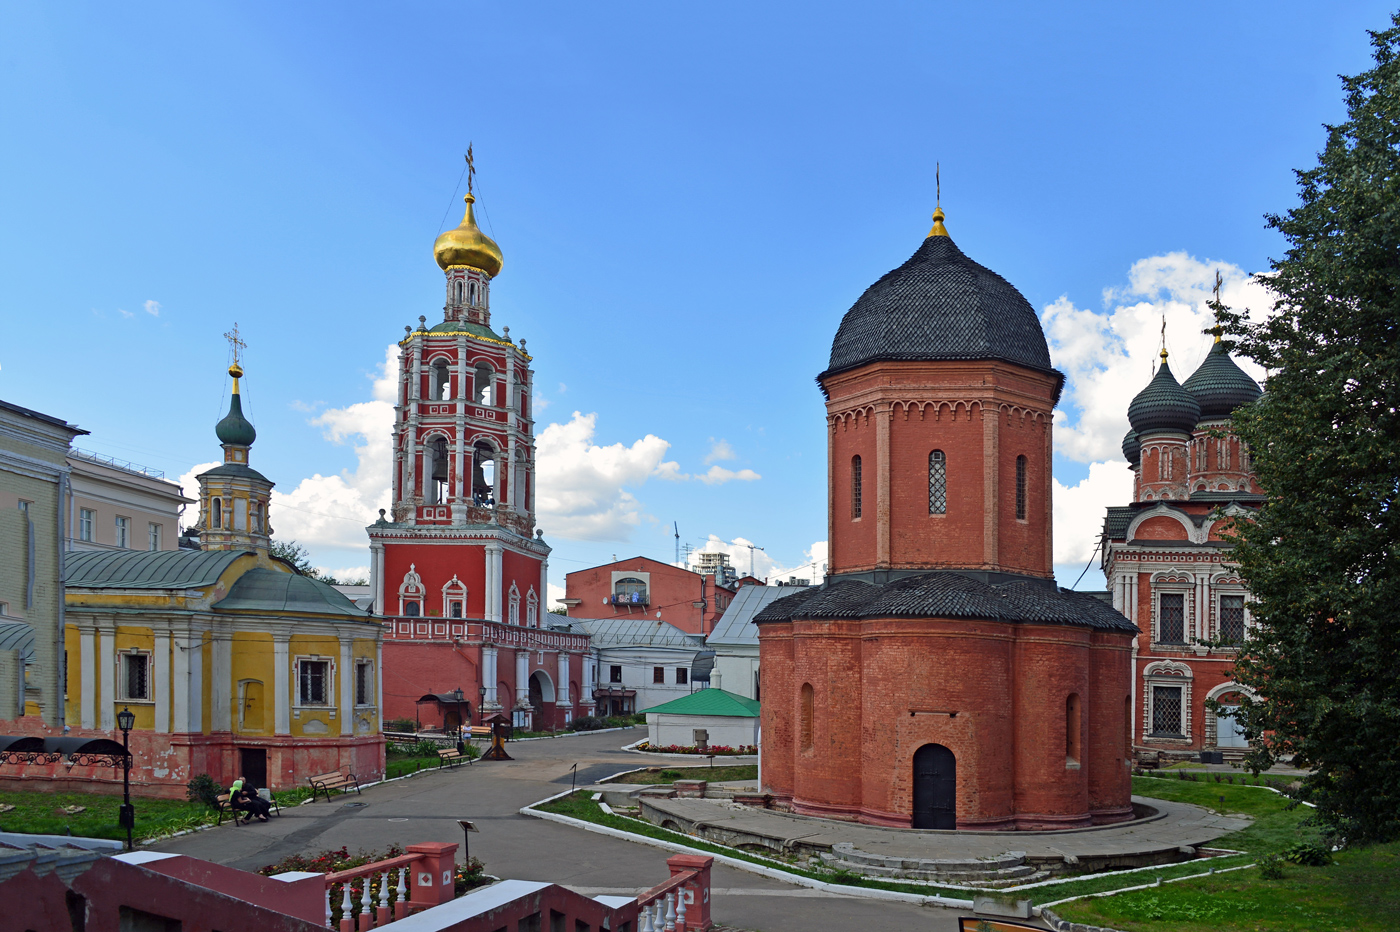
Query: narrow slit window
(1072, 737)
(805, 733)
(1020, 488)
(937, 483)
(855, 487)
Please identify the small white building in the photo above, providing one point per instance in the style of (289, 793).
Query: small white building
(637, 662)
(735, 638)
(713, 716)
(116, 505)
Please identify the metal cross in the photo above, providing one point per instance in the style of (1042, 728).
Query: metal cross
(236, 342)
(937, 186)
(471, 168)
(1218, 282)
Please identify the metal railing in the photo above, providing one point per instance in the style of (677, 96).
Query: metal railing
(115, 463)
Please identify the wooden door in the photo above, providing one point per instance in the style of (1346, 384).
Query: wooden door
(935, 788)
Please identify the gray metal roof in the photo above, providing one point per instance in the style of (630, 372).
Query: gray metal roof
(736, 625)
(274, 592)
(147, 569)
(636, 632)
(17, 635)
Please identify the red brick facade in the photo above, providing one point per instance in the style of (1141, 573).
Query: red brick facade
(1029, 720)
(677, 596)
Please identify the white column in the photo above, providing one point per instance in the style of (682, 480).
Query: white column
(379, 682)
(589, 661)
(347, 688)
(196, 682)
(376, 576)
(281, 684)
(87, 660)
(180, 702)
(106, 669)
(544, 589)
(493, 582)
(488, 674)
(563, 690)
(522, 677)
(221, 682)
(162, 678)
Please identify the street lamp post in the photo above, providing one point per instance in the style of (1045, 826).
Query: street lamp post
(126, 720)
(480, 712)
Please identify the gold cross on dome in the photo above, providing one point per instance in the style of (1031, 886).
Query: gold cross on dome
(235, 342)
(471, 169)
(1218, 283)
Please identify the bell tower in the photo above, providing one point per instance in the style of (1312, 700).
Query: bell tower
(234, 497)
(459, 538)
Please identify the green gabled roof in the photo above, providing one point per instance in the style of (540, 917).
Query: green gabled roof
(147, 569)
(711, 702)
(273, 592)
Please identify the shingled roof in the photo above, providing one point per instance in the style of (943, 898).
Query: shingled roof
(950, 595)
(940, 305)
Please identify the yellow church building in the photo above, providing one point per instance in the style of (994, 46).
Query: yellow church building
(232, 662)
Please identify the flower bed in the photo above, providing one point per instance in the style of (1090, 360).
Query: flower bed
(719, 750)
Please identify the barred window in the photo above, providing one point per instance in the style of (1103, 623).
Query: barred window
(136, 678)
(312, 681)
(364, 691)
(1171, 618)
(1020, 488)
(1166, 710)
(1231, 619)
(855, 487)
(937, 483)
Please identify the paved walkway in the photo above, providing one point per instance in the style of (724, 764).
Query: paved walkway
(1178, 825)
(426, 807)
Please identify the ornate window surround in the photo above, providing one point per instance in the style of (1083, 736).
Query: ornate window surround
(1166, 673)
(455, 590)
(411, 589)
(1176, 583)
(513, 616)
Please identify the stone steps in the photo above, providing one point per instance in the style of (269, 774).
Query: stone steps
(1004, 870)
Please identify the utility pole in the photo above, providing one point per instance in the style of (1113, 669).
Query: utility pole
(752, 548)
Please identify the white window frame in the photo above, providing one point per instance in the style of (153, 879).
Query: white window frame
(1173, 586)
(412, 590)
(532, 609)
(1219, 592)
(514, 611)
(123, 529)
(153, 534)
(454, 591)
(1167, 673)
(329, 702)
(87, 521)
(123, 657)
(367, 666)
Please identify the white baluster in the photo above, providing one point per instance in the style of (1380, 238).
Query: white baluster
(646, 920)
(384, 891)
(328, 907)
(680, 910)
(402, 889)
(657, 922)
(670, 913)
(347, 907)
(365, 899)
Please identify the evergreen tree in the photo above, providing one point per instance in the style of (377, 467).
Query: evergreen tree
(1322, 559)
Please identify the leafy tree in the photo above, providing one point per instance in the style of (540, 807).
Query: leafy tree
(297, 555)
(1322, 559)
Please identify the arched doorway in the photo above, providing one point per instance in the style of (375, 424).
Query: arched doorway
(935, 788)
(541, 692)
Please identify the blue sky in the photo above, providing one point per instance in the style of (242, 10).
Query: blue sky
(688, 199)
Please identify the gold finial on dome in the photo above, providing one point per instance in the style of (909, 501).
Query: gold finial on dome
(467, 245)
(938, 229)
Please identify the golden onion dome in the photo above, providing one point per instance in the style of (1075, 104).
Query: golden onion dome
(467, 245)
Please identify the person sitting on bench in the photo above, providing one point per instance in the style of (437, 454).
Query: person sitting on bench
(243, 796)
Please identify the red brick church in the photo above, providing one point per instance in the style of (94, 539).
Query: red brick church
(458, 570)
(940, 679)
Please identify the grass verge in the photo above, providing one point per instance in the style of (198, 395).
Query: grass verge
(671, 774)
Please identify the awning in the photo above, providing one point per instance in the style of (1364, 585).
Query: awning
(94, 752)
(701, 666)
(601, 693)
(446, 698)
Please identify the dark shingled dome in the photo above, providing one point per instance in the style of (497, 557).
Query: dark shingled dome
(1163, 405)
(940, 305)
(1220, 385)
(235, 428)
(1132, 447)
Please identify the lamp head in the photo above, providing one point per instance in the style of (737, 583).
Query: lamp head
(126, 720)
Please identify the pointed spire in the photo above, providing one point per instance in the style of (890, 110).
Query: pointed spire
(938, 229)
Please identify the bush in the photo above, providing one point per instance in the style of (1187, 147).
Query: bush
(1308, 854)
(203, 789)
(1271, 867)
(401, 724)
(719, 750)
(585, 723)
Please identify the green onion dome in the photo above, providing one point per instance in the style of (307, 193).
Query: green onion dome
(1219, 385)
(235, 428)
(1164, 405)
(1132, 447)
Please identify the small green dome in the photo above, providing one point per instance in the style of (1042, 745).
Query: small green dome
(1164, 405)
(1132, 447)
(235, 428)
(1219, 385)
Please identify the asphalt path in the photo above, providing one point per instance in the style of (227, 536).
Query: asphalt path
(426, 807)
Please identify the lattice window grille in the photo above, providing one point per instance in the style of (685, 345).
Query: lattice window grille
(937, 483)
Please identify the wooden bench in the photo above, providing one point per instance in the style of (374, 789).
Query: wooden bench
(451, 757)
(334, 780)
(226, 809)
(481, 731)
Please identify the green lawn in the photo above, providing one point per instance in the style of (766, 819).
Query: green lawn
(1360, 891)
(711, 774)
(37, 813)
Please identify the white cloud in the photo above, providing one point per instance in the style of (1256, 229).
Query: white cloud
(189, 485)
(1079, 510)
(332, 511)
(583, 487)
(1109, 356)
(718, 475)
(720, 450)
(153, 308)
(125, 313)
(556, 594)
(345, 574)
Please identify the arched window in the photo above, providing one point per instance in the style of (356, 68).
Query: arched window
(630, 590)
(1072, 747)
(937, 483)
(514, 616)
(805, 734)
(1020, 488)
(217, 507)
(411, 609)
(532, 609)
(459, 293)
(855, 487)
(441, 381)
